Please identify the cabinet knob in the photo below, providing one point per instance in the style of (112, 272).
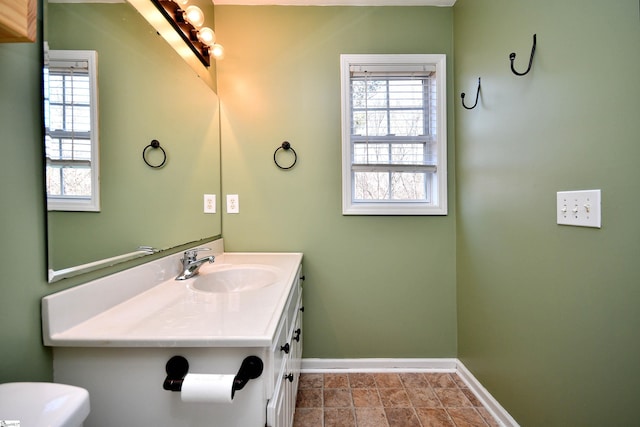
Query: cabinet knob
(285, 348)
(302, 277)
(289, 377)
(302, 309)
(297, 336)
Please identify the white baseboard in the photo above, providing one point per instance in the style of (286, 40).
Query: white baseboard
(489, 402)
(414, 365)
(379, 365)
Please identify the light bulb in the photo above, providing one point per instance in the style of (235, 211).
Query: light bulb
(194, 15)
(181, 2)
(207, 36)
(217, 51)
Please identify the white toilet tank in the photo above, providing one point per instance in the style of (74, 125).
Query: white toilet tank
(33, 404)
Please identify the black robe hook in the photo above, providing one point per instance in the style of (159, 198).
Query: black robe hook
(477, 96)
(512, 56)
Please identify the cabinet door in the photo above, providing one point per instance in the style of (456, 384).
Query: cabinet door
(296, 345)
(293, 365)
(276, 355)
(281, 407)
(277, 409)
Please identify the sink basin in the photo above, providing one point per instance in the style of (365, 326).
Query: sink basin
(235, 278)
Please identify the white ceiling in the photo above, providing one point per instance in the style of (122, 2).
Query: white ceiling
(338, 2)
(302, 2)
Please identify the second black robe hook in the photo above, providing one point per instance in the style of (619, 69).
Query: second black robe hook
(512, 57)
(477, 96)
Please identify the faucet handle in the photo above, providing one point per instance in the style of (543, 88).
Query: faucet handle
(191, 254)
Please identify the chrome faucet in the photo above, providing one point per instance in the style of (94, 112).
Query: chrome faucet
(190, 263)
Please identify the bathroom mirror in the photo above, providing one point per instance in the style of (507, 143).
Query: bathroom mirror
(146, 92)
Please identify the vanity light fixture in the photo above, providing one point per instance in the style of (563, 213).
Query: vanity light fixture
(194, 15)
(217, 51)
(207, 36)
(188, 22)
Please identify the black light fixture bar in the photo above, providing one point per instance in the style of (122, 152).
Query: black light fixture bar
(174, 14)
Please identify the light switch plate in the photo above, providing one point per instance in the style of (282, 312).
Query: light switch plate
(233, 204)
(209, 203)
(579, 208)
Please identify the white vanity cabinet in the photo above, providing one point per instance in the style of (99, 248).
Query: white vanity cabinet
(115, 342)
(287, 353)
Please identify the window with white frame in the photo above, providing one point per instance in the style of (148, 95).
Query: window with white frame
(394, 143)
(71, 130)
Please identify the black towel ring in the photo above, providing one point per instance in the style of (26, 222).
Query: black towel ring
(154, 144)
(285, 146)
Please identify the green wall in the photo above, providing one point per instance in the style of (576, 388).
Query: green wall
(146, 91)
(548, 315)
(22, 222)
(376, 286)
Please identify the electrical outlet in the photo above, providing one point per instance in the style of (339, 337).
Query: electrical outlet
(579, 208)
(233, 203)
(209, 203)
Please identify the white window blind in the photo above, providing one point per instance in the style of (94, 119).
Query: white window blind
(392, 144)
(71, 148)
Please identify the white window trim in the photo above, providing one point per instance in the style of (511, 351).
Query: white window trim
(439, 206)
(67, 203)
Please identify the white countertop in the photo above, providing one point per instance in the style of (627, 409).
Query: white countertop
(171, 314)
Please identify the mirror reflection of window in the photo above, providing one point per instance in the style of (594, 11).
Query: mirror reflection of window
(71, 130)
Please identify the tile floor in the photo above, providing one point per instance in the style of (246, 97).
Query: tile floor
(387, 400)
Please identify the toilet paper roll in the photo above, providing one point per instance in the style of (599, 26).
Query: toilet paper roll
(211, 388)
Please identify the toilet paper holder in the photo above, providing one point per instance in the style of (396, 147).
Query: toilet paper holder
(177, 368)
